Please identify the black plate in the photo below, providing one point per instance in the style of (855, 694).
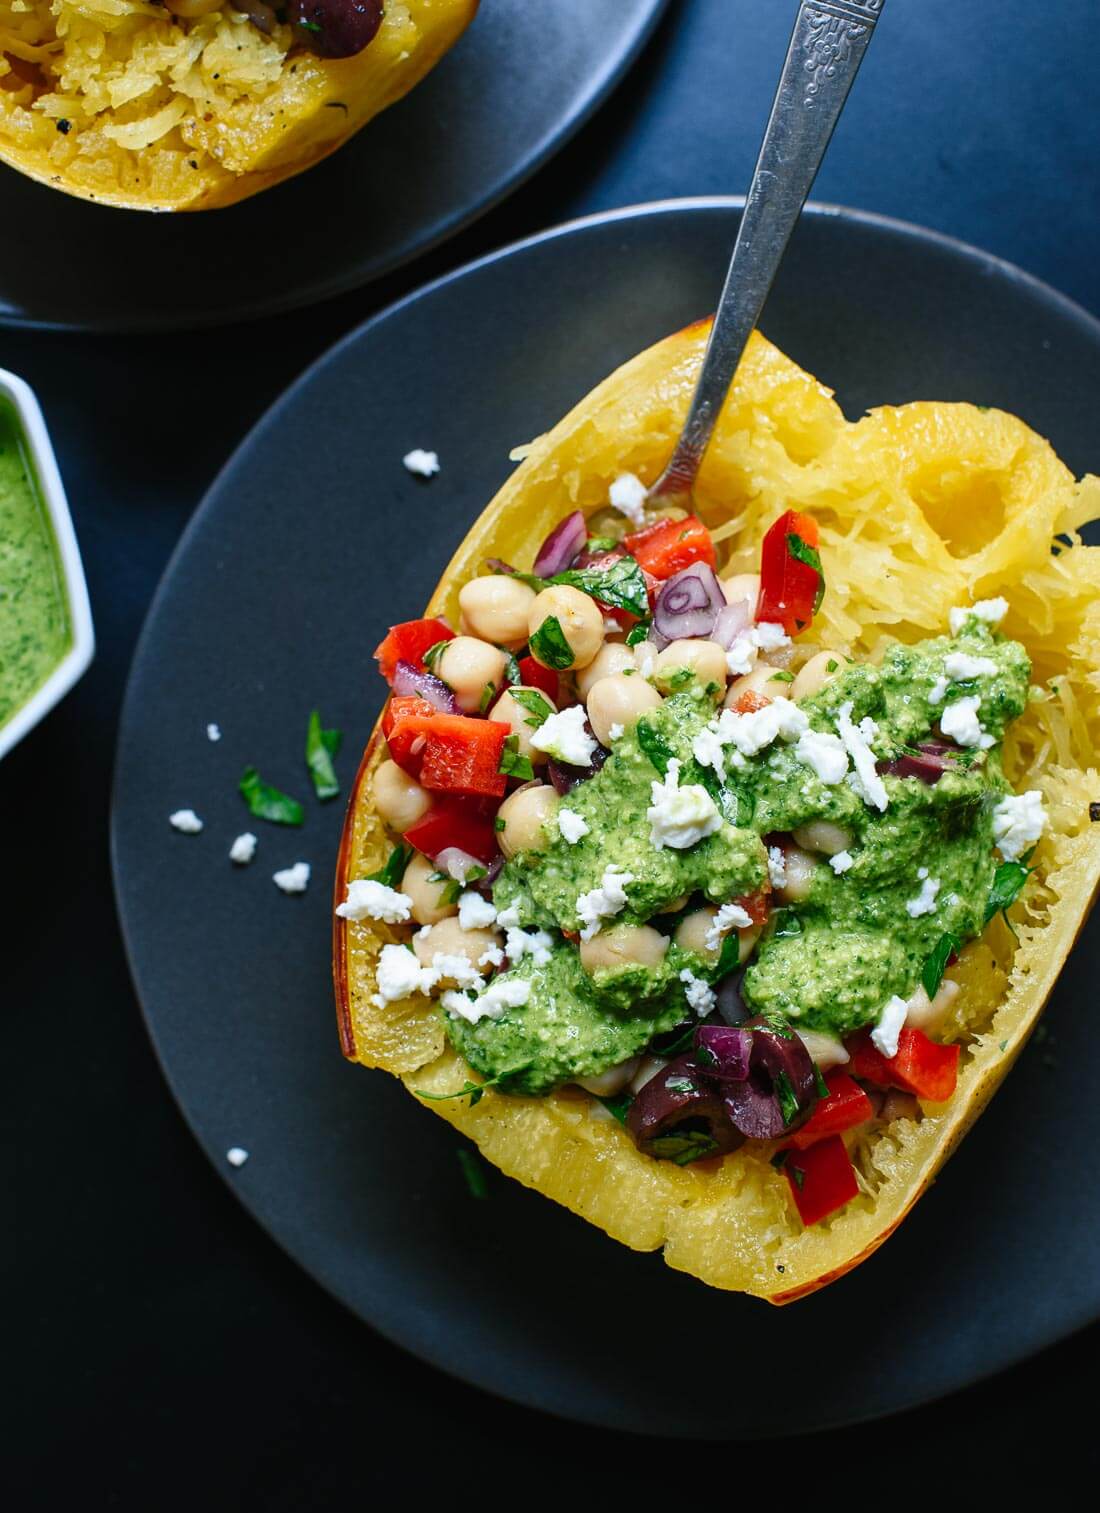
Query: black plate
(518, 84)
(310, 542)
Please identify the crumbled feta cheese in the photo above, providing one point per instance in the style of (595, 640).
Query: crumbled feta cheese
(615, 733)
(508, 918)
(741, 657)
(213, 732)
(679, 817)
(729, 917)
(456, 967)
(475, 912)
(841, 861)
(1018, 822)
(185, 820)
(292, 879)
(857, 739)
(960, 664)
(699, 994)
(770, 637)
(368, 899)
(777, 866)
(628, 495)
(748, 733)
(243, 849)
(572, 825)
(938, 689)
(925, 901)
(492, 956)
(537, 944)
(960, 723)
(884, 1036)
(603, 902)
(992, 611)
(825, 753)
(503, 993)
(399, 975)
(422, 464)
(564, 737)
(236, 1155)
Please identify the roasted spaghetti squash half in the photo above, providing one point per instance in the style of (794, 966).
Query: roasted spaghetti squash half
(919, 509)
(194, 104)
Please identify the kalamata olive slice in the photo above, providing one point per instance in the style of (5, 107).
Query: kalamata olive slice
(780, 1089)
(562, 545)
(678, 1116)
(335, 28)
(565, 777)
(928, 761)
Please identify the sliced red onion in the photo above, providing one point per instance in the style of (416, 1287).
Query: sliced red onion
(456, 863)
(723, 1052)
(677, 1116)
(730, 621)
(689, 604)
(561, 546)
(936, 758)
(409, 680)
(753, 1105)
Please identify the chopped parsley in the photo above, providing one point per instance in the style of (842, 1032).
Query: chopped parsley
(620, 584)
(536, 704)
(393, 870)
(638, 633)
(474, 1172)
(268, 803)
(550, 646)
(618, 1105)
(788, 1102)
(434, 652)
(654, 745)
(683, 1146)
(820, 1083)
(321, 747)
(513, 763)
(729, 957)
(932, 971)
(803, 552)
(1008, 884)
(781, 677)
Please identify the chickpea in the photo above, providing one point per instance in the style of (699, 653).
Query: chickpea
(623, 946)
(759, 681)
(674, 905)
(508, 711)
(579, 617)
(800, 866)
(607, 1084)
(619, 700)
(704, 660)
(691, 935)
(742, 587)
(496, 609)
(823, 836)
(468, 666)
(524, 813)
(826, 1050)
(428, 907)
(818, 671)
(448, 938)
(612, 657)
(399, 799)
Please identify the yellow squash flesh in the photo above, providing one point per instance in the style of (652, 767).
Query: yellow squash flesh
(921, 508)
(161, 114)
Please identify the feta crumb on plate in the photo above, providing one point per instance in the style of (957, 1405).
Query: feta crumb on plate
(399, 975)
(369, 899)
(186, 821)
(536, 944)
(679, 817)
(884, 1036)
(422, 464)
(1018, 821)
(938, 689)
(616, 732)
(236, 1155)
(213, 732)
(572, 825)
(292, 879)
(564, 737)
(243, 849)
(628, 495)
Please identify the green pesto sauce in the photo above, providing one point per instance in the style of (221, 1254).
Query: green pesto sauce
(35, 632)
(829, 963)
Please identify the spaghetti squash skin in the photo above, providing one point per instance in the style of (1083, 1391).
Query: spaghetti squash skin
(118, 102)
(921, 508)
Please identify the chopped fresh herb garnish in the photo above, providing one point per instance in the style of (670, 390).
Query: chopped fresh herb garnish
(679, 679)
(656, 748)
(1004, 1046)
(705, 1056)
(779, 1160)
(820, 1083)
(680, 1085)
(619, 584)
(268, 803)
(729, 956)
(452, 892)
(932, 971)
(433, 653)
(321, 747)
(499, 824)
(536, 704)
(787, 923)
(788, 1102)
(638, 633)
(781, 677)
(475, 1091)
(512, 673)
(513, 763)
(684, 1146)
(675, 1047)
(802, 551)
(618, 1105)
(831, 665)
(486, 697)
(474, 1172)
(1008, 884)
(550, 646)
(392, 872)
(309, 26)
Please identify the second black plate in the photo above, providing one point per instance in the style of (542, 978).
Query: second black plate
(514, 89)
(311, 541)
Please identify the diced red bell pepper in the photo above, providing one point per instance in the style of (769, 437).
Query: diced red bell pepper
(791, 587)
(401, 727)
(755, 905)
(465, 823)
(449, 753)
(750, 701)
(846, 1106)
(921, 1066)
(532, 674)
(671, 545)
(822, 1178)
(408, 642)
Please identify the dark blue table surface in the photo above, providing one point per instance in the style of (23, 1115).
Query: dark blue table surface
(164, 1350)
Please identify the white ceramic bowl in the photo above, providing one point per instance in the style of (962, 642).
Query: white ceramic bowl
(44, 467)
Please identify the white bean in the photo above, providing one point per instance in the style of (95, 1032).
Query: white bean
(619, 700)
(398, 798)
(428, 907)
(703, 661)
(623, 946)
(611, 658)
(607, 1084)
(813, 676)
(823, 836)
(469, 666)
(508, 711)
(579, 617)
(524, 814)
(497, 608)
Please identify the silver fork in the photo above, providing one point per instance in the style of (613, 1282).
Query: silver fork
(827, 46)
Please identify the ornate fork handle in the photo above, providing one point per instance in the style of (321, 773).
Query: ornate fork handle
(826, 49)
